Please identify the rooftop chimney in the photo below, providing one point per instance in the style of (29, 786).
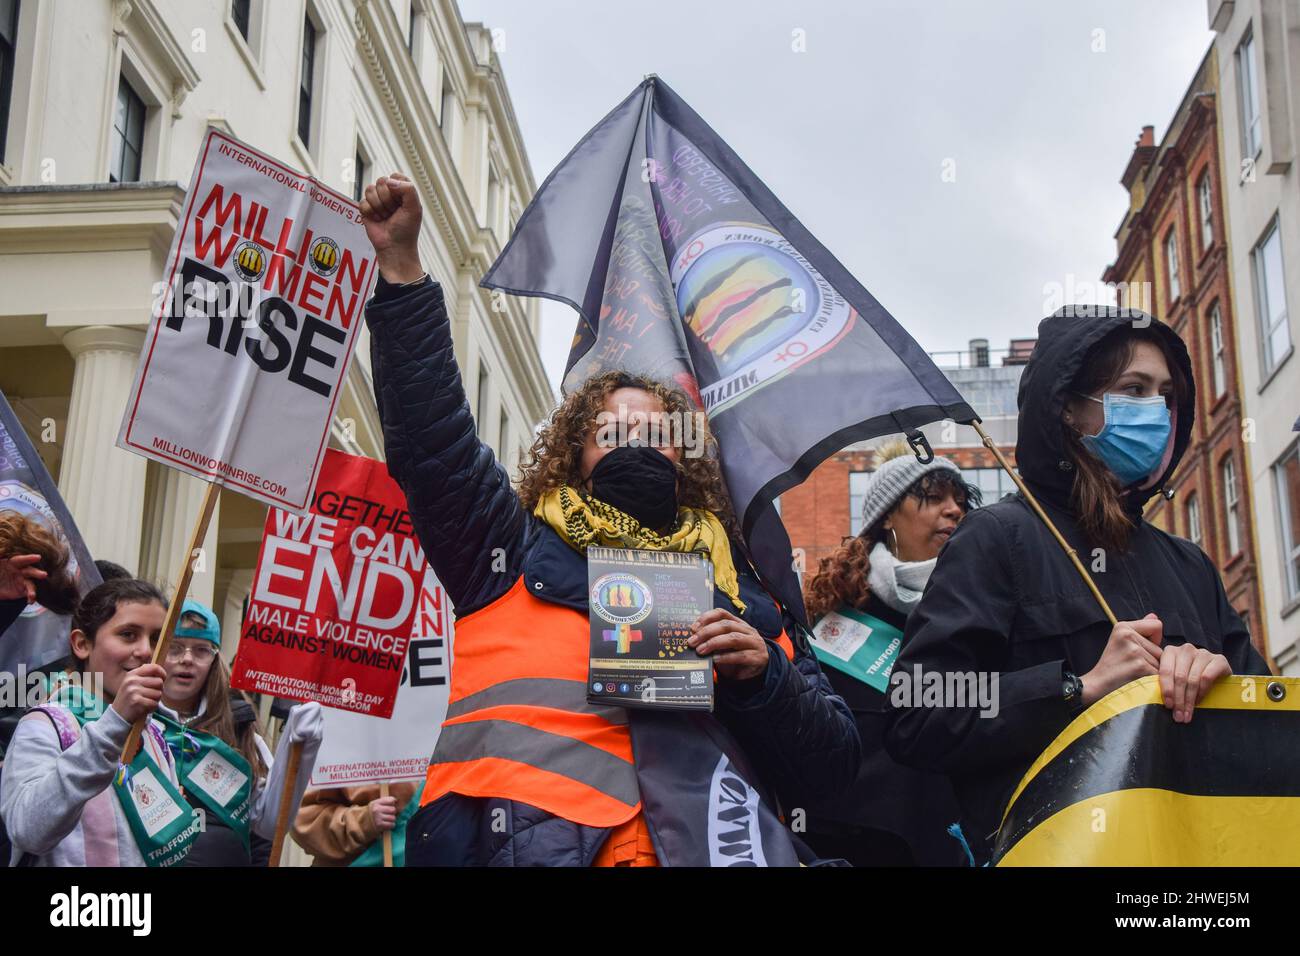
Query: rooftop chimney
(979, 353)
(1148, 137)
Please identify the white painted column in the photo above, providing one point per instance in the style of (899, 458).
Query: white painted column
(177, 499)
(102, 485)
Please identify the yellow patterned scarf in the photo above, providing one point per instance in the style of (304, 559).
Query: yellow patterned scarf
(586, 521)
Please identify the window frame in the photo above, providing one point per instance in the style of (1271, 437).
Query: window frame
(1218, 352)
(1231, 501)
(1267, 328)
(1205, 202)
(312, 89)
(361, 163)
(1252, 128)
(8, 56)
(482, 394)
(1173, 284)
(119, 140)
(1192, 513)
(1290, 549)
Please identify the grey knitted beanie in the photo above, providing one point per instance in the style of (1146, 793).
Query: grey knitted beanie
(896, 470)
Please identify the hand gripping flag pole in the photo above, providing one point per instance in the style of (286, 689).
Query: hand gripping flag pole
(174, 608)
(1033, 503)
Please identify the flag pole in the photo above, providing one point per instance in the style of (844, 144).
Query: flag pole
(1033, 503)
(388, 834)
(174, 608)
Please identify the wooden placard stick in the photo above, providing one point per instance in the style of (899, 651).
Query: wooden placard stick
(200, 531)
(286, 798)
(388, 834)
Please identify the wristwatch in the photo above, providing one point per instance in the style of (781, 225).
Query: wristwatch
(1072, 690)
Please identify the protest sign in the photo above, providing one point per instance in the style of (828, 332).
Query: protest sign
(358, 750)
(254, 323)
(335, 594)
(1123, 785)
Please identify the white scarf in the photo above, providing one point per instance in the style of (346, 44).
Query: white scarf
(898, 583)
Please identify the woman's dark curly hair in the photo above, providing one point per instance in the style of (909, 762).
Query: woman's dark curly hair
(555, 458)
(842, 578)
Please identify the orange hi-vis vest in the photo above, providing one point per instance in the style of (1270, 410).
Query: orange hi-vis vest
(519, 726)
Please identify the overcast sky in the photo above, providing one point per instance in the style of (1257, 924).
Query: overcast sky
(853, 133)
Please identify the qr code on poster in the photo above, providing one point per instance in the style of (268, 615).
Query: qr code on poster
(697, 678)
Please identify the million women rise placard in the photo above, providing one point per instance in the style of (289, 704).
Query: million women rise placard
(254, 322)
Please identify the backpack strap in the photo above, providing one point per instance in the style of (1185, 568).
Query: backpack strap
(65, 725)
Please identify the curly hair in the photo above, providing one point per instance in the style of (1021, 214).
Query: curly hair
(20, 534)
(842, 578)
(555, 458)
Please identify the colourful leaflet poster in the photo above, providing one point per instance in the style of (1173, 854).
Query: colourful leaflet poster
(254, 322)
(336, 594)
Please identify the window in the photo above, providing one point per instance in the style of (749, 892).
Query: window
(1270, 298)
(493, 198)
(1229, 470)
(1248, 85)
(1288, 496)
(480, 410)
(857, 497)
(306, 80)
(128, 135)
(241, 13)
(359, 170)
(1171, 263)
(993, 483)
(1206, 202)
(411, 20)
(8, 44)
(1216, 350)
(1194, 520)
(503, 435)
(448, 104)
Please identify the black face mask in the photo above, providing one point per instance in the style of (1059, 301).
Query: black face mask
(638, 481)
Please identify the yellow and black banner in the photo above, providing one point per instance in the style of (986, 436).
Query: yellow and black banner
(1123, 785)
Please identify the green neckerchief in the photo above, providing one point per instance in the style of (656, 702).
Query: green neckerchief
(212, 771)
(373, 855)
(162, 823)
(858, 644)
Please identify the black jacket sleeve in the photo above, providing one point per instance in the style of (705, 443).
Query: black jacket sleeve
(963, 625)
(467, 517)
(800, 735)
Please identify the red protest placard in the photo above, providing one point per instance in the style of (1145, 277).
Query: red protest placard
(335, 594)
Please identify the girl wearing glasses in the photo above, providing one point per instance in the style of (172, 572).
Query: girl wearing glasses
(225, 767)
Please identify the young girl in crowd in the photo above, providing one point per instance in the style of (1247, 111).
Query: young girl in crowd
(1106, 407)
(62, 799)
(860, 600)
(224, 765)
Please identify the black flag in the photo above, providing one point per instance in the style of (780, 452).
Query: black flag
(685, 267)
(39, 637)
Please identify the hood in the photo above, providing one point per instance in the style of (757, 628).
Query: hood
(1064, 338)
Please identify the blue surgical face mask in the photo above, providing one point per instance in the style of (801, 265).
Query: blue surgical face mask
(1133, 440)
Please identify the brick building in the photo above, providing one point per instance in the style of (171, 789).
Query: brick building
(826, 508)
(1173, 253)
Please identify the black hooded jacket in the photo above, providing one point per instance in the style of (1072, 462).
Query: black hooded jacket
(1005, 600)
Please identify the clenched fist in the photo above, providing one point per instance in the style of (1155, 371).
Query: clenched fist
(139, 693)
(391, 212)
